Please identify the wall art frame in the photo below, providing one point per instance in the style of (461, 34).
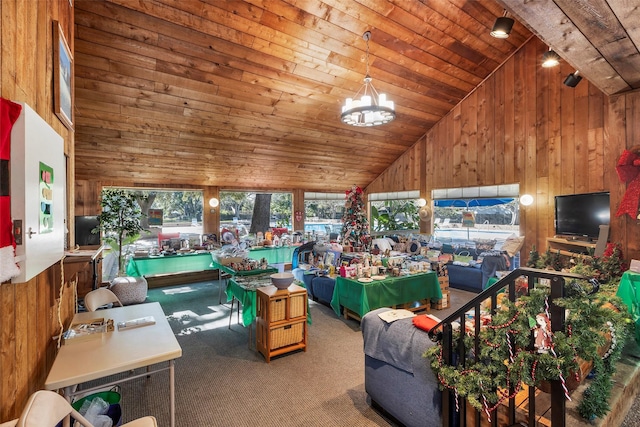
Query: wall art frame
(63, 77)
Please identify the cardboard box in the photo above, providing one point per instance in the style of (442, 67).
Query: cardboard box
(440, 304)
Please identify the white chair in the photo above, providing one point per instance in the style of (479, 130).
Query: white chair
(47, 408)
(100, 297)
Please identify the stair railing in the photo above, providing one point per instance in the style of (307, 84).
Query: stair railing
(444, 332)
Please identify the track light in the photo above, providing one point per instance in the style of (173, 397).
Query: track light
(502, 27)
(573, 79)
(550, 59)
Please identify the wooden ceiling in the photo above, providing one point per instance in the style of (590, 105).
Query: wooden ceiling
(600, 38)
(247, 94)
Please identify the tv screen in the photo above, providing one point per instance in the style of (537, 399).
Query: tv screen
(84, 236)
(582, 214)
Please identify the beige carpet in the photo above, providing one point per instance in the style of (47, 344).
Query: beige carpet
(220, 381)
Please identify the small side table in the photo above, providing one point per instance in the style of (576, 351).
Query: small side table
(281, 322)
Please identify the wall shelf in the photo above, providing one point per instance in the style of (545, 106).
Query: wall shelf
(571, 247)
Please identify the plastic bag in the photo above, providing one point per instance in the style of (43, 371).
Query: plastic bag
(102, 421)
(94, 411)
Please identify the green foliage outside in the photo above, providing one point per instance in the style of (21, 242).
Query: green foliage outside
(179, 205)
(395, 215)
(324, 209)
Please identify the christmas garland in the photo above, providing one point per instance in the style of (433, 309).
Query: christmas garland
(507, 360)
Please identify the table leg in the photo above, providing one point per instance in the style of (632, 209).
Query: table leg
(231, 312)
(223, 284)
(66, 422)
(172, 391)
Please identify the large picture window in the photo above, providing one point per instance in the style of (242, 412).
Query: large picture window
(462, 215)
(166, 215)
(247, 212)
(323, 213)
(394, 211)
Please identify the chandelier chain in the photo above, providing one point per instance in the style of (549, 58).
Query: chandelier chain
(367, 56)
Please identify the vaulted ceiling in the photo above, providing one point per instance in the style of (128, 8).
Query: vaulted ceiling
(248, 93)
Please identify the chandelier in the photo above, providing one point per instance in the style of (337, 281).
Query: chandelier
(373, 108)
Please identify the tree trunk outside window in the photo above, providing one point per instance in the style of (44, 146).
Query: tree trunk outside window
(261, 213)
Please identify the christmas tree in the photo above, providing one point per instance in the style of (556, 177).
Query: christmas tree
(355, 225)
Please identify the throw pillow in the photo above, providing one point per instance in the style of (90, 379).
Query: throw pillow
(426, 322)
(513, 245)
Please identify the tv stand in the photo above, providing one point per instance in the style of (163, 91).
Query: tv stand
(571, 246)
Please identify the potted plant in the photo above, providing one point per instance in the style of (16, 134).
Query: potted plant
(119, 223)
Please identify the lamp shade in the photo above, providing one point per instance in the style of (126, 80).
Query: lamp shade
(213, 202)
(502, 27)
(550, 59)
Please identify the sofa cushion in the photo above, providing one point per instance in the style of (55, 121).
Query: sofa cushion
(389, 342)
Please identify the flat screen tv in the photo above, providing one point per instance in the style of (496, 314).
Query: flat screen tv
(582, 214)
(84, 236)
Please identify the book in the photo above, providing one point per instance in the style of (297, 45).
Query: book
(393, 315)
(136, 323)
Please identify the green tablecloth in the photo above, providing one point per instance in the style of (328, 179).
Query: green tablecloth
(148, 266)
(363, 297)
(244, 290)
(276, 255)
(629, 292)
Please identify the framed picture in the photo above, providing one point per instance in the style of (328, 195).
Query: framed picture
(62, 77)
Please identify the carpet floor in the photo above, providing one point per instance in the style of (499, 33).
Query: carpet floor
(222, 381)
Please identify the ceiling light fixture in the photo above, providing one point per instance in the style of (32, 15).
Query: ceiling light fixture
(502, 27)
(550, 59)
(372, 109)
(573, 79)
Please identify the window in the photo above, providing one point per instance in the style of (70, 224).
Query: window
(323, 213)
(394, 211)
(476, 213)
(170, 217)
(238, 211)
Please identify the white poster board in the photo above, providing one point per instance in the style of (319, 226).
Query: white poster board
(38, 193)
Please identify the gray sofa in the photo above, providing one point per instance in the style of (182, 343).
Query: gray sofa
(397, 378)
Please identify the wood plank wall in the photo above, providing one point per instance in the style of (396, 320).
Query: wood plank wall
(523, 125)
(29, 311)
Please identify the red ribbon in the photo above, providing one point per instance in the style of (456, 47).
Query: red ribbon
(628, 170)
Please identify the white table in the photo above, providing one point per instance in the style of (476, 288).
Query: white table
(117, 351)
